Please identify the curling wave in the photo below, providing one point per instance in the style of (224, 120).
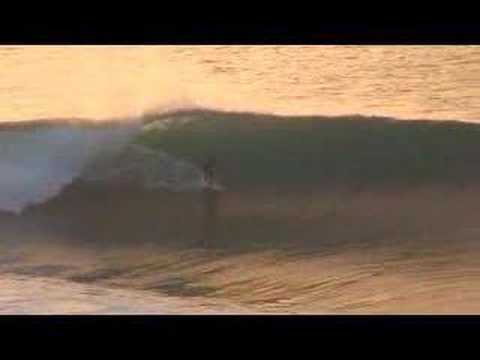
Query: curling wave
(164, 150)
(38, 161)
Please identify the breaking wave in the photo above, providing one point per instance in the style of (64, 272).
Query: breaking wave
(164, 151)
(38, 161)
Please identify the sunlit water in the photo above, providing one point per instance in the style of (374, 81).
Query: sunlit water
(432, 82)
(81, 249)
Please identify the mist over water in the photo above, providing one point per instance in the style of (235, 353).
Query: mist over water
(315, 210)
(36, 163)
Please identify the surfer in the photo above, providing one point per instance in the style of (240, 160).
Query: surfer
(208, 170)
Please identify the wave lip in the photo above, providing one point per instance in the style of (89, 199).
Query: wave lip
(139, 165)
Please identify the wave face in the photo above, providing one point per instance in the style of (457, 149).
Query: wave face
(36, 162)
(252, 151)
(258, 150)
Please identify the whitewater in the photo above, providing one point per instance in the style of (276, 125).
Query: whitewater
(36, 162)
(38, 159)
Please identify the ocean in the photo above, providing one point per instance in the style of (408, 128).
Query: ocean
(346, 179)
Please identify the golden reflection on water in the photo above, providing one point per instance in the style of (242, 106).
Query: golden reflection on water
(417, 257)
(156, 280)
(433, 82)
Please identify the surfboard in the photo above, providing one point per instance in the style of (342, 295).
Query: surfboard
(215, 187)
(212, 185)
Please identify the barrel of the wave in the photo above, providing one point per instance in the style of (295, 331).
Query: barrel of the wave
(211, 192)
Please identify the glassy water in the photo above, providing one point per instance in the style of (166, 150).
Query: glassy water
(413, 82)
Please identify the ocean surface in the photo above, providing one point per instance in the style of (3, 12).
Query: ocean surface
(346, 179)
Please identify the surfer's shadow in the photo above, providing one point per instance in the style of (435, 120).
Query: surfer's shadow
(211, 218)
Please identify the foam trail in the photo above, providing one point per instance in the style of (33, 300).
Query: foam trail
(36, 163)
